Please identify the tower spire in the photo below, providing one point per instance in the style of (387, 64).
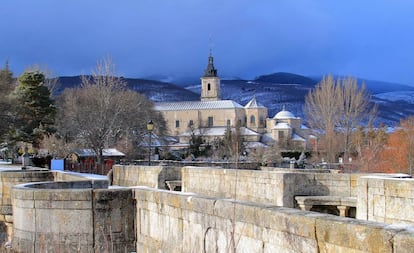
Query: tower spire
(210, 70)
(210, 82)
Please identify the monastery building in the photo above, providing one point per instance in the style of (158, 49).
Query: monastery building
(211, 117)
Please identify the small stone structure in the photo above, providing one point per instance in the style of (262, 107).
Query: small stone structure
(342, 204)
(7, 180)
(278, 187)
(78, 216)
(151, 176)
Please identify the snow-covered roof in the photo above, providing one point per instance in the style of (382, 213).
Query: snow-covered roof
(267, 138)
(86, 152)
(296, 137)
(284, 115)
(282, 125)
(311, 136)
(220, 131)
(254, 144)
(170, 139)
(253, 103)
(155, 140)
(196, 105)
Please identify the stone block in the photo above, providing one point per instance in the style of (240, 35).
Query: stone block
(376, 184)
(24, 218)
(403, 187)
(61, 194)
(111, 194)
(20, 192)
(192, 237)
(199, 204)
(23, 241)
(337, 234)
(282, 241)
(246, 244)
(404, 241)
(290, 220)
(8, 218)
(64, 221)
(64, 204)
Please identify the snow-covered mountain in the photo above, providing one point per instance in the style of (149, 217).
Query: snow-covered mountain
(154, 90)
(274, 91)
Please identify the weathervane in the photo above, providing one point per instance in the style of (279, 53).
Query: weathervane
(210, 44)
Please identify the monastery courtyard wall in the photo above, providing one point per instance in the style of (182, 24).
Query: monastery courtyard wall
(137, 214)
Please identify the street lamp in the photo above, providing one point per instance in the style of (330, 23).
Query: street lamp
(150, 127)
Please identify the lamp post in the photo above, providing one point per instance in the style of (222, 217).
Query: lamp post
(150, 127)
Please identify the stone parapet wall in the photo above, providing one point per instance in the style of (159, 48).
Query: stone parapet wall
(151, 176)
(179, 222)
(72, 217)
(114, 220)
(8, 179)
(49, 219)
(245, 165)
(385, 199)
(67, 176)
(274, 187)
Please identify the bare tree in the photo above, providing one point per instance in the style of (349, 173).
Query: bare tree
(102, 111)
(232, 143)
(271, 155)
(322, 110)
(334, 105)
(354, 105)
(408, 130)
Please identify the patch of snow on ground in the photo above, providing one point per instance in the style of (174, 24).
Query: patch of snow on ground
(87, 175)
(407, 96)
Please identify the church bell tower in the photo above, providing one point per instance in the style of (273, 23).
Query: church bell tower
(210, 83)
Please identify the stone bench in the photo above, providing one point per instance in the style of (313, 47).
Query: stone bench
(173, 185)
(342, 203)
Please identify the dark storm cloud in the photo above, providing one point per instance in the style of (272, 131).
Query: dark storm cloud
(371, 39)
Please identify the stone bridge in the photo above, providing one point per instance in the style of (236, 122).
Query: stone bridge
(216, 210)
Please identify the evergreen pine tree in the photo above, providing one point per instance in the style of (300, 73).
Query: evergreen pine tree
(35, 110)
(6, 87)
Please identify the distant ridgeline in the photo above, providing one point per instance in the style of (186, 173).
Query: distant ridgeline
(275, 91)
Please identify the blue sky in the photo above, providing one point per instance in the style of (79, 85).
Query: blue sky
(368, 39)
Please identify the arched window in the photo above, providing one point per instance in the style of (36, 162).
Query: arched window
(208, 86)
(252, 120)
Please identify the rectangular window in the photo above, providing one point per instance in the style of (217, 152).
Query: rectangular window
(228, 122)
(177, 123)
(210, 121)
(261, 121)
(190, 123)
(281, 135)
